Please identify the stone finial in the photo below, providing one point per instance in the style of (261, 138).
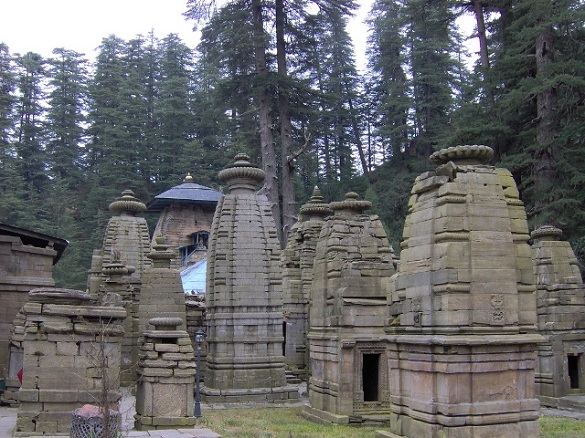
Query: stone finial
(160, 255)
(466, 154)
(127, 204)
(188, 178)
(111, 269)
(242, 174)
(165, 323)
(316, 207)
(351, 205)
(547, 233)
(117, 268)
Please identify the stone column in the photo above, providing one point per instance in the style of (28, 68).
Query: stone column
(71, 358)
(244, 296)
(162, 291)
(94, 275)
(297, 264)
(561, 305)
(462, 327)
(352, 267)
(164, 399)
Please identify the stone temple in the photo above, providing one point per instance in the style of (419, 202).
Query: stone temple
(477, 325)
(244, 296)
(462, 334)
(351, 272)
(560, 370)
(297, 277)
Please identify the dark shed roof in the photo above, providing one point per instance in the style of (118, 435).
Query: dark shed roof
(33, 238)
(187, 192)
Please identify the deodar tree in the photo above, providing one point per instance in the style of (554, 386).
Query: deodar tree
(271, 27)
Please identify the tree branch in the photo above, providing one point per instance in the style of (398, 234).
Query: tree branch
(302, 150)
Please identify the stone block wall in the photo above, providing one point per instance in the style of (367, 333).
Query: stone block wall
(15, 360)
(22, 268)
(464, 387)
(71, 350)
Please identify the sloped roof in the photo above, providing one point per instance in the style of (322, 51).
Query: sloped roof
(193, 278)
(187, 192)
(33, 238)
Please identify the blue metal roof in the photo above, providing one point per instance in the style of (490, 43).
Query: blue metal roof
(193, 278)
(187, 192)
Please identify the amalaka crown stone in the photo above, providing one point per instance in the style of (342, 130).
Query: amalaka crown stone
(242, 174)
(127, 203)
(464, 154)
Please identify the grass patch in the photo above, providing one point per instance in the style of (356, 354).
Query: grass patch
(288, 423)
(559, 427)
(276, 423)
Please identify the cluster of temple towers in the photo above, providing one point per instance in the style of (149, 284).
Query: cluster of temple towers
(465, 334)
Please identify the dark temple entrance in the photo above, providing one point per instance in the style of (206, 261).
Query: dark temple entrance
(370, 376)
(573, 364)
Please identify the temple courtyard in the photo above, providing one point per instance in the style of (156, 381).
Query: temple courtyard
(554, 423)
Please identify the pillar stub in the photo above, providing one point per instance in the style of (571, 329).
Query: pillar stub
(160, 255)
(547, 233)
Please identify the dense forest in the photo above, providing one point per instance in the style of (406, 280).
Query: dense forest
(278, 80)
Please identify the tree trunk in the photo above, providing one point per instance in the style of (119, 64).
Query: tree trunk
(270, 188)
(483, 49)
(358, 140)
(287, 172)
(545, 107)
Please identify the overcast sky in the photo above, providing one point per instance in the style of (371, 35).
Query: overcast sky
(80, 25)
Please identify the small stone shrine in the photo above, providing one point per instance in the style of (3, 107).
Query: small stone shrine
(164, 398)
(162, 291)
(297, 264)
(560, 370)
(71, 358)
(244, 296)
(462, 342)
(352, 267)
(126, 238)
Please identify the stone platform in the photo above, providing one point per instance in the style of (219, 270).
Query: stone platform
(127, 408)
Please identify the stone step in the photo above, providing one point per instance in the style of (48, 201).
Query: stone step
(572, 403)
(292, 379)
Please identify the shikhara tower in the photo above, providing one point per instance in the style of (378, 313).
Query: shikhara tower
(244, 295)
